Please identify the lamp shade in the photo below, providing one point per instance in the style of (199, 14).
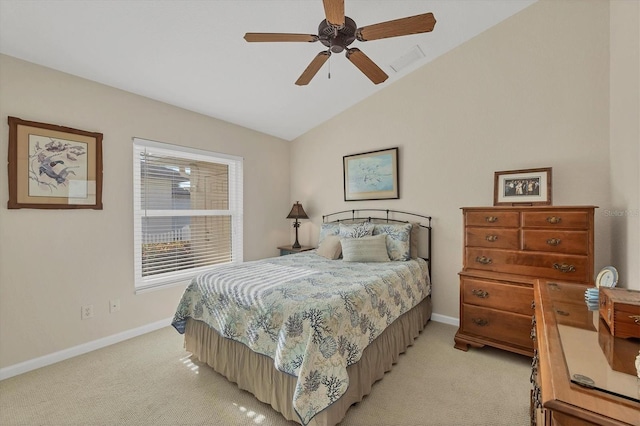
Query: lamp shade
(297, 212)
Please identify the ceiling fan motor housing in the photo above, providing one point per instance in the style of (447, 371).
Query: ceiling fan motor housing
(337, 38)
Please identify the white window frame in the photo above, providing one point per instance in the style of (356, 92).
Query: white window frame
(182, 277)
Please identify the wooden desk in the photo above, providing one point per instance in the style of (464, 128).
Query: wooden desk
(563, 324)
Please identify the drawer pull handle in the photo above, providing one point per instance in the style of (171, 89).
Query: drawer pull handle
(480, 321)
(635, 318)
(480, 293)
(562, 313)
(491, 219)
(537, 397)
(564, 268)
(491, 238)
(483, 260)
(554, 219)
(534, 367)
(554, 241)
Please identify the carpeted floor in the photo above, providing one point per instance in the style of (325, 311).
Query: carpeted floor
(150, 380)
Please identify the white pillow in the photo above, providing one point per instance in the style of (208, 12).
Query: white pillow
(365, 249)
(330, 247)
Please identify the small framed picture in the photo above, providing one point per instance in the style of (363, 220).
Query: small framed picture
(522, 187)
(371, 175)
(53, 167)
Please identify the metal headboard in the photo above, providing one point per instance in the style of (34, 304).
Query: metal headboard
(356, 215)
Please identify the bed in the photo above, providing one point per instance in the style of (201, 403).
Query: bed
(310, 333)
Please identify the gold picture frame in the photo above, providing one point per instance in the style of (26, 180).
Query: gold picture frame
(528, 187)
(53, 167)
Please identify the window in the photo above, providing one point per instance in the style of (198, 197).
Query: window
(187, 212)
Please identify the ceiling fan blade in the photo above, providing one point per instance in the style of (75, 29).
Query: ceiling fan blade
(366, 65)
(398, 27)
(313, 68)
(266, 37)
(334, 11)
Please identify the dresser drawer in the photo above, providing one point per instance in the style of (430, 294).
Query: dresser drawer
(570, 242)
(493, 219)
(565, 267)
(556, 219)
(498, 325)
(508, 297)
(493, 238)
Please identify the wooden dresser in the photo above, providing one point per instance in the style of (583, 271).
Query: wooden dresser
(505, 250)
(581, 374)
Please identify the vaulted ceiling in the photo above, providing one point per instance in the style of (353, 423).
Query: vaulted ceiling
(192, 54)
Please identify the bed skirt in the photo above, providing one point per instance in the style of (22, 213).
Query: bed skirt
(255, 373)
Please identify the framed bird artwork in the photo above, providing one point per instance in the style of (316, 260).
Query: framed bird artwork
(53, 167)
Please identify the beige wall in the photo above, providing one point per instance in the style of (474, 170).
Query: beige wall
(52, 262)
(624, 218)
(531, 92)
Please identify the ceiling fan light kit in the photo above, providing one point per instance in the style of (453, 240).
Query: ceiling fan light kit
(338, 31)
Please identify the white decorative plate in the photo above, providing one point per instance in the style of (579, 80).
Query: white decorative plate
(608, 277)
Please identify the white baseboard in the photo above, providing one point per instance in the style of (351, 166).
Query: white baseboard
(32, 364)
(445, 319)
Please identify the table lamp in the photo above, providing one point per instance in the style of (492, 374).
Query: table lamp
(297, 212)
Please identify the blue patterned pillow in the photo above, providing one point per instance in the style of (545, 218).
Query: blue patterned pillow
(398, 241)
(327, 229)
(356, 230)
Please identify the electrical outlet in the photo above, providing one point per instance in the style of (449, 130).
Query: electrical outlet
(86, 312)
(114, 305)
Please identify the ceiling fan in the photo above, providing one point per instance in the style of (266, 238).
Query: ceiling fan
(338, 31)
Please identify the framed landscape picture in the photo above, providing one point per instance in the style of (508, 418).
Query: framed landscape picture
(371, 175)
(53, 167)
(522, 187)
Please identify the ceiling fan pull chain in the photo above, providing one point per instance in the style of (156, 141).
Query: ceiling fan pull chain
(329, 74)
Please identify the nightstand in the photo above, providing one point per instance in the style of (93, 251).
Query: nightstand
(284, 250)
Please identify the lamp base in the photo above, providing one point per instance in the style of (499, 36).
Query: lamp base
(296, 225)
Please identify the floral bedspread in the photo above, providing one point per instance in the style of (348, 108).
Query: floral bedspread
(311, 315)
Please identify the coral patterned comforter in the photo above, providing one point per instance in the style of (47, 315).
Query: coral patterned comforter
(311, 315)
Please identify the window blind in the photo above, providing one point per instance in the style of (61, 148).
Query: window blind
(187, 212)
